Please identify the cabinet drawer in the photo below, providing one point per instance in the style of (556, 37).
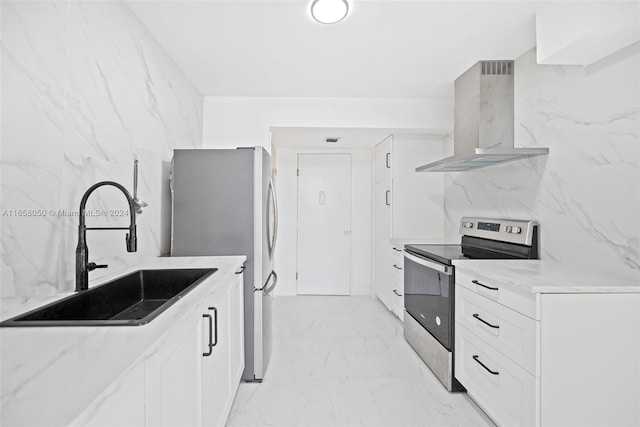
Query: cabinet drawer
(508, 394)
(508, 331)
(397, 270)
(398, 253)
(521, 302)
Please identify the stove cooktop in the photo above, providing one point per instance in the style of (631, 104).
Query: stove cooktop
(445, 254)
(485, 239)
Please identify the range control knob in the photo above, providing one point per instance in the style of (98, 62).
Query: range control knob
(516, 230)
(467, 224)
(508, 229)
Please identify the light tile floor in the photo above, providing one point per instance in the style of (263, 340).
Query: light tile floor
(342, 361)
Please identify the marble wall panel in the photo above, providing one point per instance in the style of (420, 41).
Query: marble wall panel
(586, 193)
(85, 91)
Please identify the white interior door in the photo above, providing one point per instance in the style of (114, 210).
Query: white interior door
(324, 224)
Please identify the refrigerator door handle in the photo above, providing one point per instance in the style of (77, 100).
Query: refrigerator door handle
(274, 200)
(266, 289)
(275, 282)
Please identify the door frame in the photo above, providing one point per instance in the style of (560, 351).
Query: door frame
(297, 211)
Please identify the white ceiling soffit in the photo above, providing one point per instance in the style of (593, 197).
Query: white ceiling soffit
(350, 138)
(395, 49)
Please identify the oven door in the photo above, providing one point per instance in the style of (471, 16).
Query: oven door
(428, 296)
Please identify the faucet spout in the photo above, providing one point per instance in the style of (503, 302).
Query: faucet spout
(83, 266)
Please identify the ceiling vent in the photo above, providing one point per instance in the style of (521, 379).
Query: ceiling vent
(331, 139)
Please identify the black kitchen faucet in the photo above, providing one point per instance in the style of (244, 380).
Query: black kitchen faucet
(83, 266)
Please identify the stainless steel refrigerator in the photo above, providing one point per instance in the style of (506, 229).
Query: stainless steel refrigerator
(224, 203)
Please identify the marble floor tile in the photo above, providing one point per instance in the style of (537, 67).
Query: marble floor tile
(343, 361)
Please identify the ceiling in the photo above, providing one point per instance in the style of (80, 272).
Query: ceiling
(388, 49)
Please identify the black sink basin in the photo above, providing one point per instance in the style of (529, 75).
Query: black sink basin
(134, 299)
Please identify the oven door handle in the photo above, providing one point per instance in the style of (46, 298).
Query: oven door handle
(444, 269)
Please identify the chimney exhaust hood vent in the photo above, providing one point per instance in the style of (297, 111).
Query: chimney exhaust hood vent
(483, 120)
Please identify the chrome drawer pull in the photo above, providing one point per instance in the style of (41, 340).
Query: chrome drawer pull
(399, 268)
(484, 286)
(477, 316)
(476, 358)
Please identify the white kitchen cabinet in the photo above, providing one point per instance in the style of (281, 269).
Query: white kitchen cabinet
(223, 362)
(219, 373)
(397, 281)
(548, 359)
(216, 375)
(389, 270)
(382, 265)
(192, 379)
(124, 375)
(407, 204)
(382, 165)
(416, 199)
(173, 378)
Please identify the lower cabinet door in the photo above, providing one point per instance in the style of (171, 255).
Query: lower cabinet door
(506, 392)
(215, 361)
(173, 378)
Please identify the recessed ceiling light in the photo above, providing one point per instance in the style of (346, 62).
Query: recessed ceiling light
(329, 11)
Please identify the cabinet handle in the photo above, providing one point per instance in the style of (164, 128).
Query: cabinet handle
(241, 269)
(476, 358)
(477, 316)
(484, 286)
(215, 317)
(396, 292)
(208, 316)
(397, 250)
(388, 160)
(399, 268)
(386, 198)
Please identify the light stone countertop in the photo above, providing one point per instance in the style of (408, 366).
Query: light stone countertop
(536, 276)
(52, 374)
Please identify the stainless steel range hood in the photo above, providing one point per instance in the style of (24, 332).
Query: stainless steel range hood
(483, 120)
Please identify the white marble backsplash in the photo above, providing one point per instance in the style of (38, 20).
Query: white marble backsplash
(586, 192)
(85, 91)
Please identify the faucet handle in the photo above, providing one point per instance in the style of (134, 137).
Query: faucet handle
(92, 266)
(132, 240)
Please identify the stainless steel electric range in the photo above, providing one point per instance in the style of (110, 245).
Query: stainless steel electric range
(429, 284)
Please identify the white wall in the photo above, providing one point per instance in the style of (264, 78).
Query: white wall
(230, 122)
(85, 89)
(586, 192)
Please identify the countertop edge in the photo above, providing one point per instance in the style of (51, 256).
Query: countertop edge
(542, 277)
